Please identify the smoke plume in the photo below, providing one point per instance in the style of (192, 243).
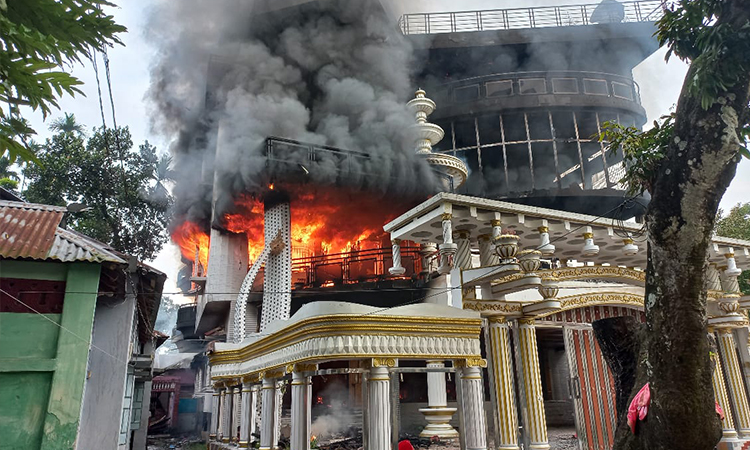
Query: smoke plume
(229, 74)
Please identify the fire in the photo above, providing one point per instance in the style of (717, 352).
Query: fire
(325, 221)
(189, 236)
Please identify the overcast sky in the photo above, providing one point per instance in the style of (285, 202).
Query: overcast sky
(660, 84)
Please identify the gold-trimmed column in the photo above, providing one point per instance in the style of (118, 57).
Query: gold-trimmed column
(501, 377)
(236, 414)
(379, 404)
(268, 414)
(226, 414)
(472, 404)
(720, 391)
(247, 415)
(534, 416)
(215, 400)
(735, 379)
(301, 406)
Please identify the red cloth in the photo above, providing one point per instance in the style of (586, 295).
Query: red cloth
(639, 406)
(719, 411)
(405, 445)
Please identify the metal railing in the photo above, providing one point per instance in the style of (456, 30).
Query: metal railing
(352, 267)
(539, 17)
(557, 82)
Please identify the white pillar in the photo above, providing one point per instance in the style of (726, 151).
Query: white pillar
(428, 252)
(501, 376)
(300, 438)
(735, 378)
(277, 412)
(379, 413)
(447, 248)
(463, 250)
(535, 420)
(472, 403)
(437, 414)
(268, 414)
(236, 414)
(215, 400)
(247, 415)
(226, 414)
(397, 269)
(487, 256)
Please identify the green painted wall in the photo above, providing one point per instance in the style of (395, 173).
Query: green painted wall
(42, 365)
(24, 396)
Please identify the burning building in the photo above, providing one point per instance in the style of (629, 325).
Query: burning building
(337, 225)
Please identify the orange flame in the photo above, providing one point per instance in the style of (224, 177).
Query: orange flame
(325, 220)
(189, 236)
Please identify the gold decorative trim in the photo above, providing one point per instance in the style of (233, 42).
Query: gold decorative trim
(446, 216)
(526, 321)
(470, 362)
(305, 367)
(578, 273)
(348, 356)
(543, 229)
(597, 299)
(496, 223)
(344, 324)
(497, 320)
(383, 362)
(484, 306)
(588, 235)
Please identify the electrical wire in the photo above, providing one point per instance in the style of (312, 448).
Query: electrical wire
(377, 311)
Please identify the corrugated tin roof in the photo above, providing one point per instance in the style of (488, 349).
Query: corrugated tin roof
(71, 246)
(27, 230)
(30, 230)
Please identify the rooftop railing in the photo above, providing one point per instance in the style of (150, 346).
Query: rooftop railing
(539, 17)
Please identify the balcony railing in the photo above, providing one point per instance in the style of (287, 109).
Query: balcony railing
(513, 84)
(356, 266)
(540, 17)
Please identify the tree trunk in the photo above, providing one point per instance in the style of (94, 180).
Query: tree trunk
(619, 341)
(696, 171)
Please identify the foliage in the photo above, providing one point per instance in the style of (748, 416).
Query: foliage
(642, 150)
(719, 53)
(737, 225)
(718, 49)
(124, 208)
(6, 171)
(39, 39)
(8, 183)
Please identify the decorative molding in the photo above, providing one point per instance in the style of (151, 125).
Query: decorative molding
(601, 298)
(299, 367)
(343, 325)
(581, 273)
(436, 345)
(470, 362)
(383, 362)
(492, 306)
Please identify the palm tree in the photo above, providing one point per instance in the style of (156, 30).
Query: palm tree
(163, 172)
(6, 171)
(67, 124)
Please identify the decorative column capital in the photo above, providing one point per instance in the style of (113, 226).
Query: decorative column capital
(497, 320)
(446, 216)
(462, 234)
(396, 241)
(470, 362)
(383, 362)
(496, 222)
(526, 321)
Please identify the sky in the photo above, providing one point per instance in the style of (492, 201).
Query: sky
(660, 84)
